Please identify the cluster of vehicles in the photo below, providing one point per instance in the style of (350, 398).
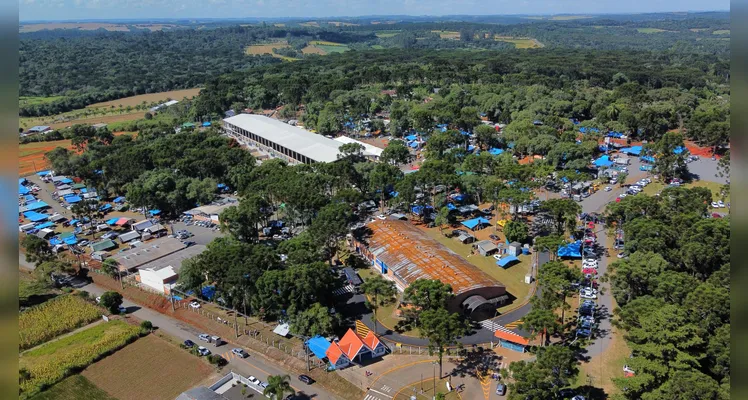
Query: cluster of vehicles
(189, 221)
(635, 189)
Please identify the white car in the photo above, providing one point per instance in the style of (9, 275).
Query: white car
(721, 204)
(240, 352)
(204, 337)
(590, 264)
(622, 195)
(98, 299)
(382, 216)
(715, 204)
(203, 351)
(194, 304)
(497, 256)
(253, 380)
(587, 294)
(608, 188)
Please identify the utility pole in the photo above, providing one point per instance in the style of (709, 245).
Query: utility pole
(171, 296)
(306, 355)
(236, 325)
(433, 368)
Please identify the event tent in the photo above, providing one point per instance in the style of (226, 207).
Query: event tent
(44, 225)
(34, 216)
(633, 150)
(23, 190)
(73, 199)
(571, 250)
(36, 206)
(475, 222)
(504, 262)
(318, 345)
(112, 221)
(120, 199)
(603, 162)
(494, 151)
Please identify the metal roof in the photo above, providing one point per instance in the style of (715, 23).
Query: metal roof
(175, 259)
(147, 252)
(368, 148)
(410, 254)
(311, 145)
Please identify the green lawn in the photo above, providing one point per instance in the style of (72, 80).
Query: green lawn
(73, 388)
(513, 277)
(332, 48)
(721, 32)
(716, 188)
(30, 101)
(650, 30)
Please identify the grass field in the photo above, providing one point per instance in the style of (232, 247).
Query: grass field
(138, 371)
(721, 32)
(148, 98)
(267, 48)
(386, 34)
(313, 50)
(80, 117)
(332, 48)
(73, 388)
(448, 34)
(520, 43)
(29, 101)
(650, 30)
(716, 188)
(50, 363)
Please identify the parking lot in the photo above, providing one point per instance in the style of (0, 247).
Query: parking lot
(201, 234)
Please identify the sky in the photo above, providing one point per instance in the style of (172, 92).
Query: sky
(145, 9)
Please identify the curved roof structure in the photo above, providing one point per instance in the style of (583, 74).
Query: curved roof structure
(411, 254)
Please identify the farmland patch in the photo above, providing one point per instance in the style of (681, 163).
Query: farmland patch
(133, 101)
(75, 387)
(53, 318)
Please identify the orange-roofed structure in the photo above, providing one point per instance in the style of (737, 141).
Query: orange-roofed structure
(352, 347)
(337, 357)
(403, 253)
(511, 340)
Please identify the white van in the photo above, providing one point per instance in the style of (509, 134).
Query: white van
(102, 227)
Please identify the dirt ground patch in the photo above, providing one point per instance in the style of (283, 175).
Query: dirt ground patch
(31, 155)
(267, 48)
(313, 50)
(149, 98)
(53, 121)
(150, 368)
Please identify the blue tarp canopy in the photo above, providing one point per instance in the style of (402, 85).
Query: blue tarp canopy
(504, 262)
(29, 198)
(318, 345)
(571, 250)
(55, 241)
(451, 206)
(494, 151)
(411, 138)
(112, 221)
(206, 123)
(44, 225)
(413, 144)
(73, 222)
(221, 185)
(472, 223)
(603, 161)
(471, 147)
(84, 190)
(633, 150)
(459, 197)
(603, 147)
(105, 207)
(36, 206)
(679, 149)
(209, 292)
(418, 210)
(34, 216)
(73, 199)
(648, 159)
(66, 180)
(43, 173)
(119, 199)
(71, 240)
(153, 212)
(23, 190)
(464, 133)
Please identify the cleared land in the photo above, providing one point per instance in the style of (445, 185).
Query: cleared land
(91, 26)
(31, 155)
(651, 30)
(310, 23)
(267, 48)
(53, 318)
(721, 32)
(75, 387)
(313, 50)
(520, 43)
(50, 363)
(30, 101)
(139, 371)
(78, 117)
(133, 101)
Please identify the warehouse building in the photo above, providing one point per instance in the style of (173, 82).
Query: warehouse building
(403, 253)
(280, 140)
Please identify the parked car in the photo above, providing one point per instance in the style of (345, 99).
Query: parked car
(83, 242)
(584, 332)
(306, 379)
(382, 216)
(217, 340)
(608, 189)
(240, 352)
(493, 237)
(204, 337)
(501, 389)
(264, 384)
(189, 343)
(720, 204)
(194, 304)
(253, 380)
(203, 351)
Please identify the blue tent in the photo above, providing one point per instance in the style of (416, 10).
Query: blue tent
(73, 199)
(475, 222)
(209, 292)
(36, 206)
(119, 199)
(84, 190)
(318, 345)
(471, 148)
(603, 161)
(71, 240)
(206, 123)
(23, 190)
(66, 180)
(43, 173)
(413, 144)
(633, 150)
(112, 221)
(44, 225)
(34, 216)
(510, 145)
(459, 197)
(464, 133)
(55, 241)
(649, 159)
(603, 147)
(494, 151)
(451, 206)
(29, 198)
(679, 149)
(154, 212)
(411, 138)
(105, 207)
(583, 130)
(221, 186)
(573, 250)
(73, 222)
(504, 262)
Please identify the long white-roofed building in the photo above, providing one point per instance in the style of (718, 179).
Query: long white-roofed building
(281, 140)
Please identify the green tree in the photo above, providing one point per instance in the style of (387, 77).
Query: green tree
(554, 369)
(442, 218)
(111, 301)
(549, 243)
(564, 213)
(395, 153)
(382, 177)
(382, 291)
(44, 270)
(428, 294)
(37, 250)
(278, 386)
(442, 329)
(557, 278)
(668, 163)
(317, 320)
(540, 321)
(330, 226)
(351, 150)
(242, 221)
(516, 231)
(622, 176)
(485, 136)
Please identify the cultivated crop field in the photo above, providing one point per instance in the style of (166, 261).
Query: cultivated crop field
(75, 387)
(133, 101)
(266, 48)
(53, 318)
(48, 364)
(137, 371)
(520, 43)
(30, 101)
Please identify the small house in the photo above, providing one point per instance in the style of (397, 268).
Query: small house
(465, 238)
(129, 236)
(486, 247)
(514, 249)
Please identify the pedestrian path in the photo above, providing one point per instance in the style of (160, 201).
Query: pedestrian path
(490, 325)
(514, 325)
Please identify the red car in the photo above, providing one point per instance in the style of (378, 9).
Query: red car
(591, 271)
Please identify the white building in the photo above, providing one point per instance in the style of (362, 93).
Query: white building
(159, 280)
(281, 140)
(371, 152)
